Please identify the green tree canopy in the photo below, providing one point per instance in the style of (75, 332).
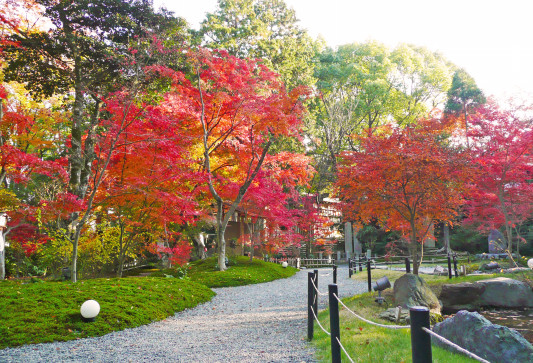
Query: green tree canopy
(265, 29)
(464, 97)
(362, 86)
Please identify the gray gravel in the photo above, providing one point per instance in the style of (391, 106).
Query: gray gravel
(255, 323)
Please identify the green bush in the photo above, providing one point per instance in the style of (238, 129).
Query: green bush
(177, 272)
(466, 239)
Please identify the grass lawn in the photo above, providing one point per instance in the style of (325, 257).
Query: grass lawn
(50, 311)
(240, 272)
(368, 343)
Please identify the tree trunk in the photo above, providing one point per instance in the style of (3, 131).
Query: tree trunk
(221, 230)
(75, 158)
(74, 241)
(2, 256)
(121, 252)
(446, 232)
(413, 246)
(201, 245)
(2, 264)
(508, 231)
(466, 125)
(416, 263)
(221, 248)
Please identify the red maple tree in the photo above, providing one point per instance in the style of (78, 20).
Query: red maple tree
(502, 194)
(405, 179)
(236, 108)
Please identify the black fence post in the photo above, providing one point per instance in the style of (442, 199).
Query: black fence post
(420, 340)
(407, 265)
(455, 265)
(334, 274)
(360, 265)
(449, 267)
(310, 298)
(334, 324)
(350, 268)
(315, 301)
(369, 272)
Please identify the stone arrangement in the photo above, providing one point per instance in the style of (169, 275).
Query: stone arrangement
(495, 343)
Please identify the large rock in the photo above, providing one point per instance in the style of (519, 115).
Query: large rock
(476, 334)
(441, 271)
(395, 315)
(455, 297)
(410, 290)
(500, 292)
(504, 292)
(497, 243)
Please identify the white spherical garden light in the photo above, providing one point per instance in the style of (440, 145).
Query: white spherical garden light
(530, 263)
(89, 310)
(284, 264)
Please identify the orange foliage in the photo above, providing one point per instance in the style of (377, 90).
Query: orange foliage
(405, 178)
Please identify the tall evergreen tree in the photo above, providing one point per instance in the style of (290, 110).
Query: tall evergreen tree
(265, 29)
(463, 97)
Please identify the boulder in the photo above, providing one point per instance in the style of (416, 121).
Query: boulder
(497, 243)
(490, 266)
(396, 315)
(500, 292)
(411, 290)
(495, 343)
(504, 292)
(439, 270)
(455, 297)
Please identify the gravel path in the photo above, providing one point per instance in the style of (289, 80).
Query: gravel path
(255, 323)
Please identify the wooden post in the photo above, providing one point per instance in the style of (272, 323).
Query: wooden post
(334, 324)
(420, 340)
(310, 299)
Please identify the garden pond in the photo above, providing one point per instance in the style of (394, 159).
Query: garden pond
(520, 320)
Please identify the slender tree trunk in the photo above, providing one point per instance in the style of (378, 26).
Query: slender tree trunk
(446, 231)
(199, 238)
(221, 230)
(75, 158)
(518, 243)
(121, 253)
(2, 256)
(466, 125)
(414, 248)
(75, 240)
(508, 231)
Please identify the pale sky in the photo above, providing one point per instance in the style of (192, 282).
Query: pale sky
(492, 40)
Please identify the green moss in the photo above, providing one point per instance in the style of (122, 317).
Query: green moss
(50, 311)
(241, 272)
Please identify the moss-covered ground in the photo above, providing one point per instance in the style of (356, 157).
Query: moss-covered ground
(37, 311)
(241, 271)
